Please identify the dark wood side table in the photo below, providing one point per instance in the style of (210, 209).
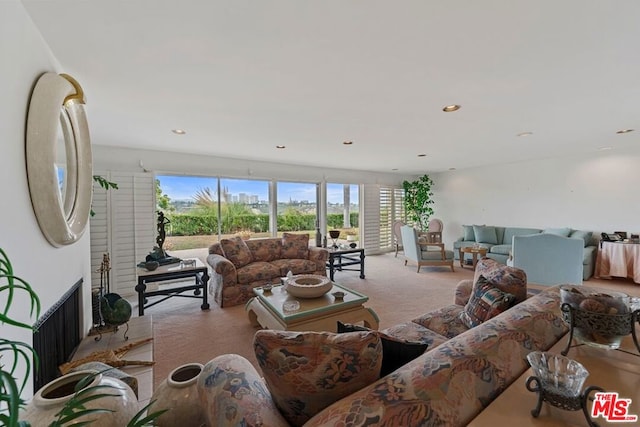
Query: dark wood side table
(197, 271)
(341, 258)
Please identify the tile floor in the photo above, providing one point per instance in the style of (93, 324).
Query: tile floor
(140, 328)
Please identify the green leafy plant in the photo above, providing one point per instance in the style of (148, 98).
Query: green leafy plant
(10, 390)
(418, 201)
(11, 287)
(143, 418)
(104, 183)
(75, 408)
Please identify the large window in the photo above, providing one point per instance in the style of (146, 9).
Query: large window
(343, 210)
(202, 210)
(297, 207)
(244, 207)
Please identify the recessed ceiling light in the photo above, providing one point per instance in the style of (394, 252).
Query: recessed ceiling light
(422, 155)
(605, 148)
(178, 131)
(451, 108)
(280, 146)
(524, 134)
(625, 131)
(347, 142)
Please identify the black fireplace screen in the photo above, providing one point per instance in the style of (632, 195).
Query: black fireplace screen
(56, 336)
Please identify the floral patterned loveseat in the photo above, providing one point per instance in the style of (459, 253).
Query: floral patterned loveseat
(460, 374)
(238, 266)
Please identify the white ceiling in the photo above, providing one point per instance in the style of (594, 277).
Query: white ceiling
(243, 76)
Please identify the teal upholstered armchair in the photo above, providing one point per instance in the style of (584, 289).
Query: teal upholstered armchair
(424, 252)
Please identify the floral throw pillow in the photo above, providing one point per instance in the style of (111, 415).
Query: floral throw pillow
(236, 251)
(295, 246)
(308, 371)
(508, 279)
(486, 302)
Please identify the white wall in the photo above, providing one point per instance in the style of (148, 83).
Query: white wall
(50, 271)
(597, 192)
(162, 162)
(594, 191)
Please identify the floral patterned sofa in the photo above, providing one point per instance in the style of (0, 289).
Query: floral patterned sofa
(461, 372)
(238, 266)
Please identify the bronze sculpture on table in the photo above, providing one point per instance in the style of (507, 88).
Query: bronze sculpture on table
(163, 221)
(158, 253)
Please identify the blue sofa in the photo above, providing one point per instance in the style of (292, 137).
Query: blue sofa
(499, 242)
(549, 259)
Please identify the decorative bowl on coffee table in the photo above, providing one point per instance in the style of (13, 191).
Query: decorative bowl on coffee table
(308, 285)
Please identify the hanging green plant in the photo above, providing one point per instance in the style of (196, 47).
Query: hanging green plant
(104, 183)
(418, 201)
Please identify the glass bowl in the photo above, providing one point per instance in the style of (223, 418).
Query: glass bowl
(558, 374)
(601, 318)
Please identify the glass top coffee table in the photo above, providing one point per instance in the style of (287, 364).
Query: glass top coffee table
(267, 309)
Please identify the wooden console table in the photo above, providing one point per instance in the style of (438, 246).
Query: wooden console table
(613, 370)
(618, 259)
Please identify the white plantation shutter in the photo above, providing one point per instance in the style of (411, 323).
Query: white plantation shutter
(370, 218)
(381, 206)
(386, 218)
(126, 228)
(398, 205)
(99, 229)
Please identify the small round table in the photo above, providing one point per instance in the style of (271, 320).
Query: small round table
(474, 252)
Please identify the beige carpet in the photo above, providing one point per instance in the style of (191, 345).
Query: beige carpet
(183, 333)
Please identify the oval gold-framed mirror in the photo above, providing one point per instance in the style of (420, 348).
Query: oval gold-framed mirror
(59, 163)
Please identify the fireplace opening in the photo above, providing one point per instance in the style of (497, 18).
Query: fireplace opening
(56, 336)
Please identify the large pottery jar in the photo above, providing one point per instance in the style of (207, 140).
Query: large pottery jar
(120, 407)
(179, 395)
(232, 393)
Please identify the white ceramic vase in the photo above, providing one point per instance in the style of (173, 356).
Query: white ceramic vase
(179, 395)
(122, 406)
